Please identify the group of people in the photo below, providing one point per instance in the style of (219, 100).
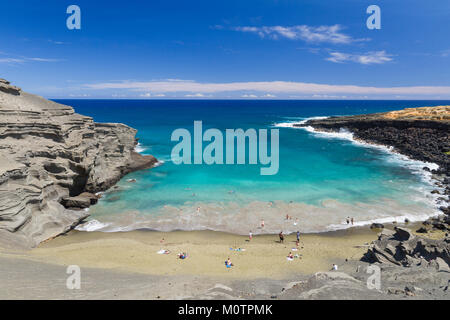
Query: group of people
(350, 220)
(281, 236)
(228, 263)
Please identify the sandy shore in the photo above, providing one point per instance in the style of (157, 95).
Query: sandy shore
(264, 256)
(126, 265)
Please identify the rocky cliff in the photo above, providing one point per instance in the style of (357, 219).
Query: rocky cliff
(52, 162)
(402, 248)
(420, 133)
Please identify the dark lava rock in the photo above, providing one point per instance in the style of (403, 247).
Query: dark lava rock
(402, 248)
(422, 230)
(445, 210)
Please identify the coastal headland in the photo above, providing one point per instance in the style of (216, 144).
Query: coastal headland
(419, 133)
(52, 162)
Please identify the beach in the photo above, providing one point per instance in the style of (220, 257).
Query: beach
(133, 255)
(126, 265)
(264, 256)
(143, 215)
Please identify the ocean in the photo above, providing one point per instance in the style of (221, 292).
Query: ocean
(322, 178)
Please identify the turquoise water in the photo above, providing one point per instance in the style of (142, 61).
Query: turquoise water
(322, 179)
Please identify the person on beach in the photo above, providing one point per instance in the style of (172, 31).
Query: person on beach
(348, 220)
(250, 236)
(298, 236)
(262, 223)
(290, 255)
(182, 255)
(334, 267)
(228, 263)
(352, 220)
(281, 235)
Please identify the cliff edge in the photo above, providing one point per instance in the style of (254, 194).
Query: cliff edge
(420, 133)
(52, 162)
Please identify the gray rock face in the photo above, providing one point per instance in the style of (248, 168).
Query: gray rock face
(49, 155)
(7, 88)
(404, 249)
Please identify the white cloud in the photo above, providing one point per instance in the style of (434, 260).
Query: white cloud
(331, 34)
(19, 60)
(268, 95)
(11, 60)
(196, 95)
(198, 89)
(57, 42)
(373, 57)
(42, 59)
(79, 95)
(149, 95)
(249, 96)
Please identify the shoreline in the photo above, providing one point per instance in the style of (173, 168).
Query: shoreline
(318, 251)
(130, 267)
(426, 171)
(133, 257)
(426, 175)
(264, 256)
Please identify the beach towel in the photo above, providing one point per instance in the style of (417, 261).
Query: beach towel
(162, 251)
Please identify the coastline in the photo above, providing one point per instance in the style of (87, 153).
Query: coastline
(137, 251)
(416, 166)
(53, 162)
(130, 267)
(133, 256)
(433, 173)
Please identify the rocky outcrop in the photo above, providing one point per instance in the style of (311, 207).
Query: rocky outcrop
(424, 136)
(403, 248)
(51, 159)
(6, 87)
(419, 133)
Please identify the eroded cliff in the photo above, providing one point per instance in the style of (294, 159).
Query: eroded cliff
(51, 160)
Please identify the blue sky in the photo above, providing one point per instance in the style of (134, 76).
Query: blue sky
(265, 49)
